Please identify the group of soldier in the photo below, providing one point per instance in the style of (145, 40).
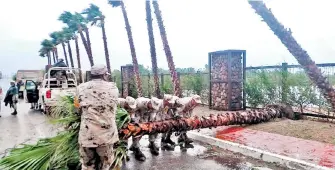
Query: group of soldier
(147, 110)
(97, 101)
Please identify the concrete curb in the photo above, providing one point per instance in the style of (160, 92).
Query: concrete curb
(288, 162)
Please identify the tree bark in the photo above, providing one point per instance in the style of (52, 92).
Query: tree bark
(56, 53)
(70, 53)
(78, 60)
(104, 37)
(49, 58)
(223, 119)
(167, 50)
(152, 49)
(86, 47)
(285, 36)
(88, 41)
(133, 52)
(65, 55)
(53, 56)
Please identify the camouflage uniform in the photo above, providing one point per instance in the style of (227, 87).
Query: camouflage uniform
(98, 131)
(15, 95)
(185, 109)
(169, 113)
(144, 113)
(129, 104)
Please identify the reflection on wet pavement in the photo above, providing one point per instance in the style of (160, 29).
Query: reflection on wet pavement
(202, 157)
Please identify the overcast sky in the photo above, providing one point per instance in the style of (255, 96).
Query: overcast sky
(194, 28)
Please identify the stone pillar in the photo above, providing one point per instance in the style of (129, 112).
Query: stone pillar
(127, 77)
(226, 80)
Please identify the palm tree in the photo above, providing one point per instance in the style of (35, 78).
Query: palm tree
(69, 34)
(42, 53)
(78, 58)
(152, 48)
(296, 50)
(77, 22)
(47, 47)
(95, 16)
(167, 50)
(59, 37)
(56, 39)
(224, 119)
(119, 3)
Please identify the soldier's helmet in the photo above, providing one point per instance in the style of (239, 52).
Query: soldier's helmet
(131, 102)
(170, 98)
(99, 69)
(156, 103)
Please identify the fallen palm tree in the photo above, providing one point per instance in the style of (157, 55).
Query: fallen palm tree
(61, 151)
(222, 119)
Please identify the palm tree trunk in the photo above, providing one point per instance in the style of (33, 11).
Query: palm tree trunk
(49, 58)
(152, 49)
(53, 56)
(65, 55)
(88, 40)
(169, 57)
(90, 58)
(70, 53)
(56, 53)
(295, 49)
(104, 37)
(78, 60)
(224, 119)
(132, 49)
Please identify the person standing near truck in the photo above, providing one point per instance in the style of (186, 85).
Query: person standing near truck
(12, 97)
(97, 103)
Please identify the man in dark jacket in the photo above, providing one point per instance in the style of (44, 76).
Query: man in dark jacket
(12, 97)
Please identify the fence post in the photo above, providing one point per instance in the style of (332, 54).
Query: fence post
(284, 87)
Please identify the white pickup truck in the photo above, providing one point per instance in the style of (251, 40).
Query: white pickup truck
(50, 91)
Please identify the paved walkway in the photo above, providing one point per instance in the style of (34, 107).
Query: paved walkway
(310, 151)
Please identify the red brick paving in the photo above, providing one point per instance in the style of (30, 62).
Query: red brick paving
(310, 151)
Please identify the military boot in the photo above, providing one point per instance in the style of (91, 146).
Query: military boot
(169, 140)
(153, 148)
(166, 146)
(139, 155)
(187, 140)
(14, 113)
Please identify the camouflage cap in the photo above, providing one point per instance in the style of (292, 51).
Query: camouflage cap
(99, 70)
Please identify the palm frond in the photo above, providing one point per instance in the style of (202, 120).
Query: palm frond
(62, 150)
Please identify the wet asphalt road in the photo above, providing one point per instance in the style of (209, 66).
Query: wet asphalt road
(29, 125)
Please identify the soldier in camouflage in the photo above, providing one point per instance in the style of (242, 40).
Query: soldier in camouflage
(98, 131)
(129, 104)
(169, 102)
(185, 109)
(143, 113)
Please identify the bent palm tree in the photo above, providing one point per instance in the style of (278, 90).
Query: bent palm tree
(95, 16)
(285, 36)
(47, 47)
(77, 22)
(56, 41)
(167, 50)
(119, 3)
(78, 58)
(152, 49)
(69, 33)
(59, 36)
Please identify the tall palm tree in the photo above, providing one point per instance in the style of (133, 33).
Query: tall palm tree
(77, 22)
(285, 36)
(78, 58)
(47, 47)
(119, 3)
(95, 16)
(167, 50)
(59, 37)
(69, 33)
(56, 39)
(152, 48)
(42, 53)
